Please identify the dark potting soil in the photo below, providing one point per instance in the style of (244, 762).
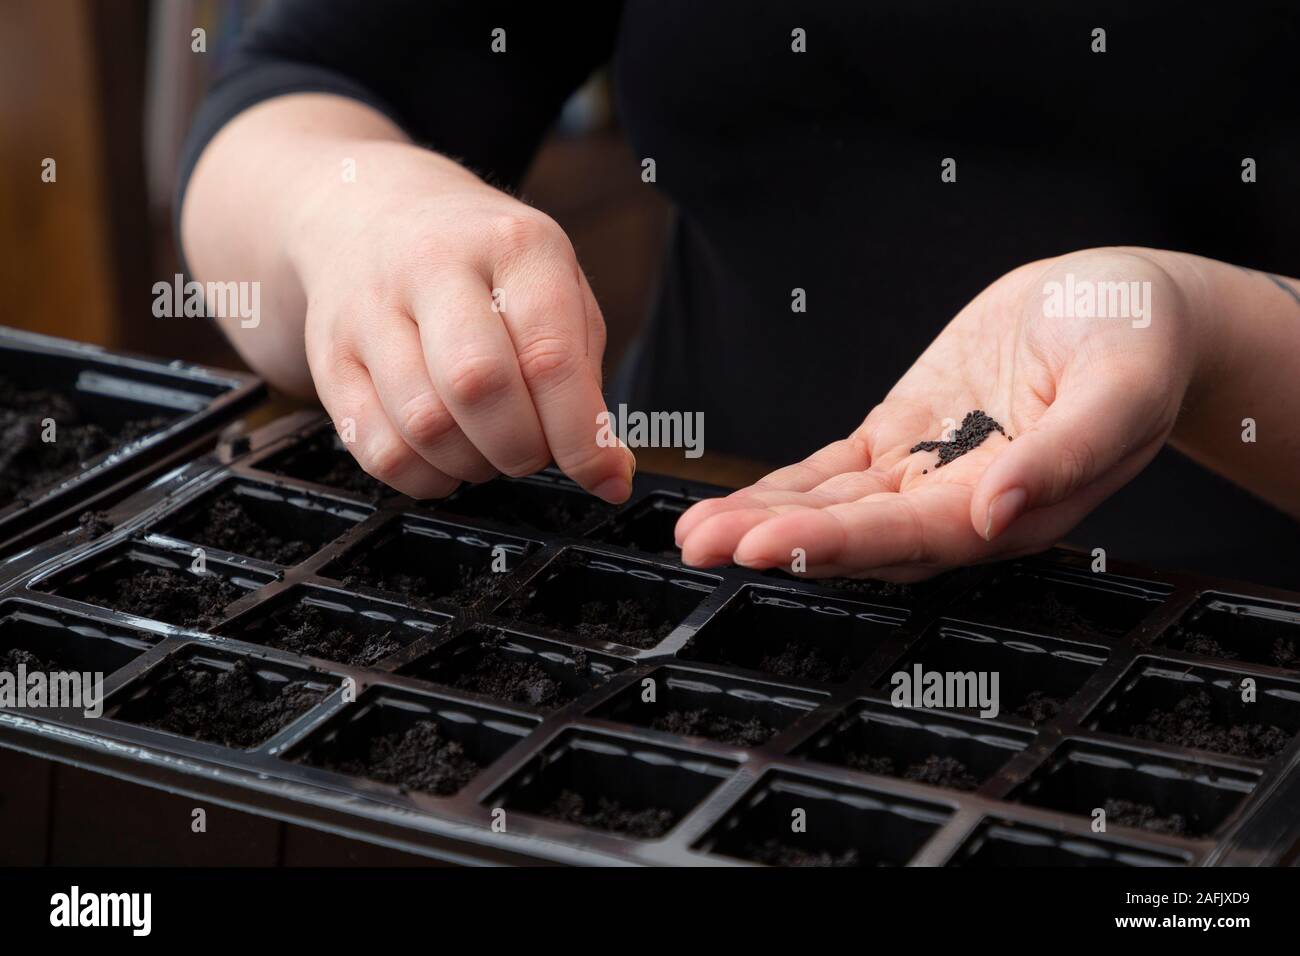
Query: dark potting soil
(802, 662)
(1283, 652)
(1191, 723)
(227, 524)
(861, 587)
(303, 629)
(934, 770)
(161, 594)
(421, 589)
(1129, 813)
(502, 676)
(975, 427)
(324, 460)
(550, 511)
(629, 621)
(27, 464)
(774, 852)
(705, 723)
(1039, 707)
(227, 707)
(1046, 614)
(10, 659)
(417, 758)
(605, 813)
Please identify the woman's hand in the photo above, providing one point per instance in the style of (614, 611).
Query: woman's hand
(1086, 401)
(453, 324)
(448, 329)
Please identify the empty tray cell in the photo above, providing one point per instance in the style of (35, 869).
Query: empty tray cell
(271, 524)
(794, 636)
(219, 698)
(518, 668)
(649, 526)
(1059, 602)
(1137, 790)
(1035, 675)
(52, 434)
(156, 585)
(919, 745)
(607, 783)
(539, 504)
(1202, 708)
(49, 641)
(426, 561)
(414, 742)
(603, 598)
(1003, 843)
(333, 626)
(323, 458)
(692, 703)
(790, 820)
(1240, 629)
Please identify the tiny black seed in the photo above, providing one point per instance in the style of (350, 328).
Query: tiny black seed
(975, 427)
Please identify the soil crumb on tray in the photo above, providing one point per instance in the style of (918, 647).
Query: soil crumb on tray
(228, 707)
(161, 594)
(418, 758)
(90, 526)
(1129, 813)
(605, 813)
(1191, 723)
(975, 427)
(27, 463)
(705, 723)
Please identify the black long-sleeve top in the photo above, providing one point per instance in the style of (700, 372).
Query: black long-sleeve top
(820, 171)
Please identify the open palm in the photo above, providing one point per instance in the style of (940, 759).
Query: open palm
(1086, 402)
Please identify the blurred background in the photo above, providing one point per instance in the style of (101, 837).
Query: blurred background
(107, 88)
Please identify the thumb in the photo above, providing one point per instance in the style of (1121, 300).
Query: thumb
(1085, 434)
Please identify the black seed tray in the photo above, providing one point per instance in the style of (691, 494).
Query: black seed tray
(118, 419)
(284, 636)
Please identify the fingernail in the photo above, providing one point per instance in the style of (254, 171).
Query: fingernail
(1003, 510)
(614, 490)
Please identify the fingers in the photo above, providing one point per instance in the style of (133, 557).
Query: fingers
(397, 368)
(1087, 432)
(549, 320)
(837, 458)
(348, 394)
(471, 364)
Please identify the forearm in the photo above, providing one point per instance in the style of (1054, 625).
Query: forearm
(252, 193)
(1248, 371)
